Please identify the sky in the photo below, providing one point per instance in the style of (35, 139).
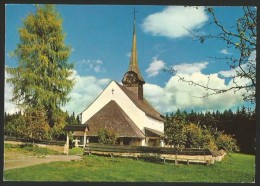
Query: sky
(101, 35)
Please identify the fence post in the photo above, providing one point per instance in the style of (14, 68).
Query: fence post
(67, 143)
(176, 160)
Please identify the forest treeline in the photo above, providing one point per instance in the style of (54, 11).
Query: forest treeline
(15, 125)
(239, 125)
(231, 130)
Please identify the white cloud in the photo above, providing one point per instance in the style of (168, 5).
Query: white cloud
(189, 68)
(225, 51)
(86, 89)
(175, 21)
(177, 94)
(97, 68)
(227, 73)
(128, 54)
(9, 107)
(95, 65)
(249, 66)
(155, 67)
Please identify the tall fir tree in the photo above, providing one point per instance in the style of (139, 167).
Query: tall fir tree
(42, 78)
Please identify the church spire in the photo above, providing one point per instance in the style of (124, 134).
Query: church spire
(133, 79)
(133, 66)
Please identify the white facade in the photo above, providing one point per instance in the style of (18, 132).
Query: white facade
(114, 92)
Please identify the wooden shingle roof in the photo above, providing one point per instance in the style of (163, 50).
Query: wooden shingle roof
(75, 127)
(142, 104)
(78, 133)
(112, 118)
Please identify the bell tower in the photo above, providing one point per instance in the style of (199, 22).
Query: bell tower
(133, 79)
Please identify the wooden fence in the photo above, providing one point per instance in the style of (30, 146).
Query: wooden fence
(188, 155)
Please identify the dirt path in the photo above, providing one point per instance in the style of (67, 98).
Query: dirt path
(13, 160)
(21, 160)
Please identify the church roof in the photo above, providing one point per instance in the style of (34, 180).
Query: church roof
(112, 118)
(142, 104)
(154, 131)
(75, 127)
(78, 133)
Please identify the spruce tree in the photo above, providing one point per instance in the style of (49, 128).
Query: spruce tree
(42, 78)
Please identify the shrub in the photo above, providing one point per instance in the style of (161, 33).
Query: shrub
(227, 142)
(212, 145)
(16, 127)
(106, 137)
(36, 126)
(174, 131)
(35, 149)
(197, 137)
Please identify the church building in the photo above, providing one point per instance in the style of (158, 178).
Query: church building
(122, 110)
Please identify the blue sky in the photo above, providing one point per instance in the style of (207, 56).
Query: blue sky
(101, 35)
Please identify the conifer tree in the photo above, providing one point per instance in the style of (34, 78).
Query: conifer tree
(42, 78)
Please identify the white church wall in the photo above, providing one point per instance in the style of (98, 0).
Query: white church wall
(137, 115)
(154, 124)
(114, 92)
(95, 106)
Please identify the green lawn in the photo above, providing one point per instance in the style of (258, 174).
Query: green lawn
(234, 168)
(29, 149)
(76, 151)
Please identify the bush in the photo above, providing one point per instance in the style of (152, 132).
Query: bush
(198, 137)
(106, 137)
(227, 142)
(212, 145)
(16, 127)
(35, 149)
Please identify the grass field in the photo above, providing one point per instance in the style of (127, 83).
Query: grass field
(29, 149)
(234, 168)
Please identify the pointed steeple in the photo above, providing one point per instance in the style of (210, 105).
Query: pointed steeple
(133, 66)
(133, 79)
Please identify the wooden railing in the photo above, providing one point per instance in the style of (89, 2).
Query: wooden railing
(186, 154)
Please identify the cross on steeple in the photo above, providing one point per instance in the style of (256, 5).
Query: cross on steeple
(133, 66)
(133, 79)
(134, 13)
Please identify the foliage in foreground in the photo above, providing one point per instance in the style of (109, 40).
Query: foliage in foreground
(234, 168)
